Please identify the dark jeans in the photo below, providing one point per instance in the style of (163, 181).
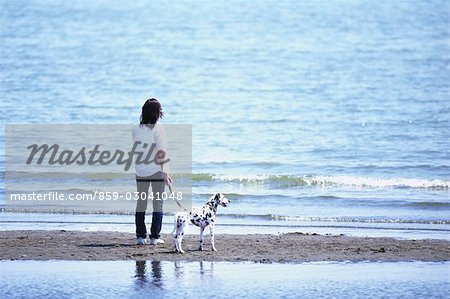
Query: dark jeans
(143, 183)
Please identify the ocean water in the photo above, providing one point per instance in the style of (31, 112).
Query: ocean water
(141, 279)
(329, 116)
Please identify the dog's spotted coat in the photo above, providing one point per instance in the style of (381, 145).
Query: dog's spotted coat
(201, 218)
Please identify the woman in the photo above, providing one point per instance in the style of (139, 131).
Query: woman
(146, 134)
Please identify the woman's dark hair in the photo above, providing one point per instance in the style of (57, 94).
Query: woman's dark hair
(151, 112)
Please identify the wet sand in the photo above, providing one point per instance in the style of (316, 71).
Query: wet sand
(291, 247)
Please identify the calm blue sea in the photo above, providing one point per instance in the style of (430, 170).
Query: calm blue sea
(329, 116)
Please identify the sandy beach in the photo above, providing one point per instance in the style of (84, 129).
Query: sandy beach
(292, 247)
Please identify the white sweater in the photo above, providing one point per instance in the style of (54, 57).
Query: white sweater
(156, 136)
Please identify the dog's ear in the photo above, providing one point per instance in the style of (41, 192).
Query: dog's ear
(217, 197)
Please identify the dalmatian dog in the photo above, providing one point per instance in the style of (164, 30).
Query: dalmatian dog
(206, 216)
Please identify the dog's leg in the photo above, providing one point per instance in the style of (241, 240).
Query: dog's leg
(180, 240)
(175, 242)
(211, 228)
(179, 244)
(202, 229)
(175, 232)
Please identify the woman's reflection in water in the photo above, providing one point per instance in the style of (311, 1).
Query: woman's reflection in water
(156, 274)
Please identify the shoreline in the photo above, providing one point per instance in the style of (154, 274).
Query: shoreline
(264, 248)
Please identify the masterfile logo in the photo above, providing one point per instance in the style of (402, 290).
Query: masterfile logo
(52, 155)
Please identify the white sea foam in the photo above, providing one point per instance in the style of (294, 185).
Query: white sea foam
(328, 180)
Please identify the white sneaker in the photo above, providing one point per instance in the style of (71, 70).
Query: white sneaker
(156, 241)
(141, 241)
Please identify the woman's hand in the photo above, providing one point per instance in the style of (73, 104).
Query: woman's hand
(168, 180)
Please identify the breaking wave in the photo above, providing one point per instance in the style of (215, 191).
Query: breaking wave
(318, 180)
